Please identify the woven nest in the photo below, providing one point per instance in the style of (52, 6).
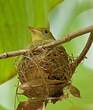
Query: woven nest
(44, 73)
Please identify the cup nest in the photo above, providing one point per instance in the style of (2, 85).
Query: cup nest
(44, 73)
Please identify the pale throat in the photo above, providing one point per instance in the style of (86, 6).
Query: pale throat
(37, 37)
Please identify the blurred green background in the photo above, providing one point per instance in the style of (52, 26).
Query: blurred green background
(62, 17)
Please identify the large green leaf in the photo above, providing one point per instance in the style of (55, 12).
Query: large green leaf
(54, 3)
(13, 33)
(77, 7)
(62, 17)
(15, 17)
(2, 108)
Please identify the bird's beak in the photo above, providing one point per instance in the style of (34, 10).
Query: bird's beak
(33, 30)
(36, 33)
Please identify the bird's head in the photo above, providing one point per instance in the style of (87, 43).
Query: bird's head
(40, 34)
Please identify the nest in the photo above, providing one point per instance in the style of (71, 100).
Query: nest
(44, 73)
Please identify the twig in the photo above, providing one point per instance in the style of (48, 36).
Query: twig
(52, 44)
(85, 50)
(70, 36)
(14, 53)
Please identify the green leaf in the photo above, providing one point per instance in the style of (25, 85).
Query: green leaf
(77, 8)
(15, 17)
(2, 108)
(13, 33)
(37, 11)
(54, 3)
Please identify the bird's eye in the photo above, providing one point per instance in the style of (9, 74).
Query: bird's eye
(46, 31)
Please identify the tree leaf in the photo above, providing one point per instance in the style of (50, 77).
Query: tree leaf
(2, 108)
(54, 3)
(13, 34)
(15, 17)
(74, 91)
(37, 11)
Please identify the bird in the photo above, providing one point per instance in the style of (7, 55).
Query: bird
(44, 73)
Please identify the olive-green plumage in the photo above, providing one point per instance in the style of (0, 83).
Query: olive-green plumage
(41, 34)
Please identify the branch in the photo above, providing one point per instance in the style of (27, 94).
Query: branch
(85, 50)
(14, 53)
(52, 44)
(70, 36)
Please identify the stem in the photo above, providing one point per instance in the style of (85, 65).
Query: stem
(70, 36)
(13, 54)
(85, 50)
(52, 44)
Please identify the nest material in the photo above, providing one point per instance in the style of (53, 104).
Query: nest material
(44, 73)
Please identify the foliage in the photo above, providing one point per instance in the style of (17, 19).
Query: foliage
(70, 15)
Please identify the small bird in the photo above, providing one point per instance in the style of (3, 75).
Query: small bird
(40, 36)
(43, 74)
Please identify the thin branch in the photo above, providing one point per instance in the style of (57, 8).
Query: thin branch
(52, 44)
(70, 36)
(85, 50)
(13, 54)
